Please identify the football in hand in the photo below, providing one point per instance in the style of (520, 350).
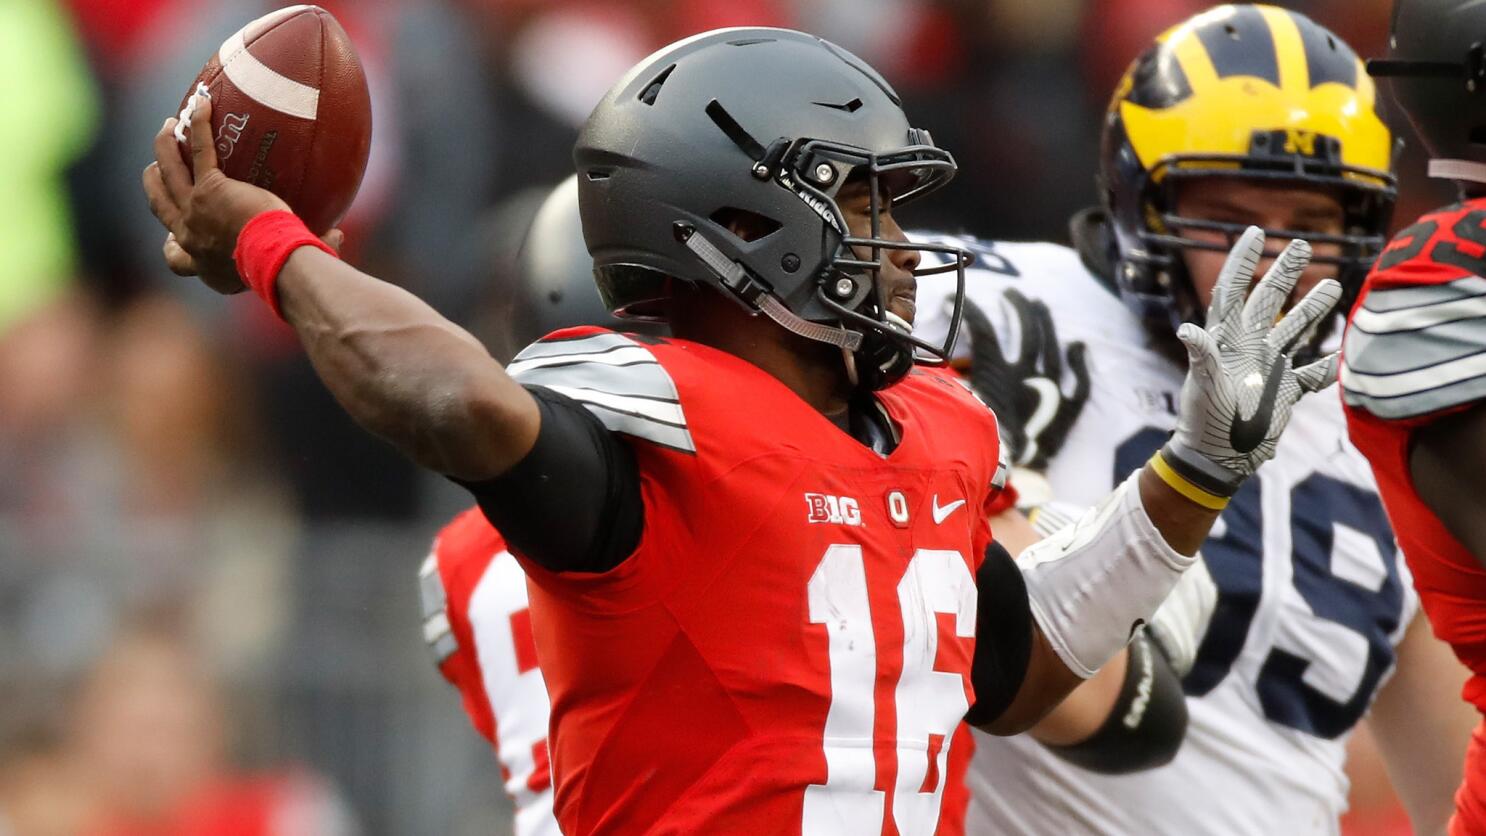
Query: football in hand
(290, 111)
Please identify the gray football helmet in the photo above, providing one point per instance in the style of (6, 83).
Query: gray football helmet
(1436, 72)
(766, 124)
(554, 272)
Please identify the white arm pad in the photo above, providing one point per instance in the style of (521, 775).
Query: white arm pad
(1092, 583)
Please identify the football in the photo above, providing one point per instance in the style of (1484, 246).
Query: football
(290, 111)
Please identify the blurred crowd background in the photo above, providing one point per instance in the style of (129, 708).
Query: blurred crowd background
(208, 601)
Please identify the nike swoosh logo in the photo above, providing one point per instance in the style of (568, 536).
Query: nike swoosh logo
(941, 514)
(1248, 433)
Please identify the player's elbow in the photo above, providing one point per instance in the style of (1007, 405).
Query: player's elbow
(471, 428)
(1145, 727)
(1009, 723)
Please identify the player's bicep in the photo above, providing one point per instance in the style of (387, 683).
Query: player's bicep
(1003, 637)
(573, 504)
(1446, 461)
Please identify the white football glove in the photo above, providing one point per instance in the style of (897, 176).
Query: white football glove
(1240, 385)
(1180, 623)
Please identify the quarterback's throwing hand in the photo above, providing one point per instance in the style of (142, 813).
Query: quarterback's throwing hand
(1241, 386)
(202, 209)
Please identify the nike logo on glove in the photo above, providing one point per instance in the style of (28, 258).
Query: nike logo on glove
(942, 513)
(1246, 434)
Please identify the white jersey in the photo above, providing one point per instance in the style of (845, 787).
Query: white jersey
(478, 624)
(1313, 595)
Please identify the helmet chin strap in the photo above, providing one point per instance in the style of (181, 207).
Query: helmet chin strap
(847, 341)
(735, 277)
(1458, 170)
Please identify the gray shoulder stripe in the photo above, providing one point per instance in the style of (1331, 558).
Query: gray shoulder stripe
(439, 636)
(430, 585)
(1419, 317)
(1417, 380)
(617, 356)
(645, 380)
(437, 632)
(604, 341)
(643, 427)
(1399, 298)
(665, 411)
(1413, 404)
(615, 378)
(1397, 352)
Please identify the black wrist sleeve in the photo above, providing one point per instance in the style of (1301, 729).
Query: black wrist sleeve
(573, 503)
(1145, 728)
(1003, 636)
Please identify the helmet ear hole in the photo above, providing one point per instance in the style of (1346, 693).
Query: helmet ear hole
(745, 225)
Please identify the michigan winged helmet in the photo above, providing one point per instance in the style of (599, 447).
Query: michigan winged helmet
(1240, 91)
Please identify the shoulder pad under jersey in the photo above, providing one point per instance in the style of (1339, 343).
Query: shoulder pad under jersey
(1416, 349)
(616, 377)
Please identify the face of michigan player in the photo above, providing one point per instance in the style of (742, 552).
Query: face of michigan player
(1269, 205)
(895, 276)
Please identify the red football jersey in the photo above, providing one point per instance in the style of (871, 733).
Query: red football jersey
(789, 647)
(478, 624)
(1415, 350)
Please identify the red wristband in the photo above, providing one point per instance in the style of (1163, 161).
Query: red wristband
(264, 244)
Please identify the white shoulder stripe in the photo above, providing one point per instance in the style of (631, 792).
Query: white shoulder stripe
(1416, 318)
(658, 422)
(263, 84)
(592, 344)
(668, 412)
(621, 356)
(616, 378)
(1414, 296)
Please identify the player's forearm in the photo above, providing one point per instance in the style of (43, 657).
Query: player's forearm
(1077, 717)
(1183, 523)
(405, 373)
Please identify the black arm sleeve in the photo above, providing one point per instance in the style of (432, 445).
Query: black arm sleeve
(573, 503)
(1003, 636)
(1145, 728)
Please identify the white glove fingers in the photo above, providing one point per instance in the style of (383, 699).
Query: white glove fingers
(1202, 350)
(1316, 306)
(1269, 296)
(1318, 375)
(1225, 312)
